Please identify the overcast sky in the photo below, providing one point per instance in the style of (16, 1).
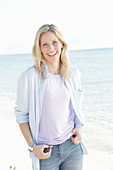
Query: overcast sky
(85, 24)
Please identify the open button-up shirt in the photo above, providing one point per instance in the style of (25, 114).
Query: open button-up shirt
(30, 94)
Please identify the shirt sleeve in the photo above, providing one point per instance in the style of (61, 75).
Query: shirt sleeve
(78, 123)
(79, 94)
(21, 109)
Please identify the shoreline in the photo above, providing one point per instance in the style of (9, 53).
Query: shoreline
(14, 151)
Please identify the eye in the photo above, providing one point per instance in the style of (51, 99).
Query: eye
(44, 45)
(55, 42)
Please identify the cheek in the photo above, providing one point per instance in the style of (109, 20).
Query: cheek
(43, 51)
(58, 47)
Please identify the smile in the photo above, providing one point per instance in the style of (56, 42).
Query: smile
(52, 54)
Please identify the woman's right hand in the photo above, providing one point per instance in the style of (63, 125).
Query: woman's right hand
(38, 150)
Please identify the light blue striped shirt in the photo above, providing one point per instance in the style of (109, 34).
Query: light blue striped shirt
(30, 95)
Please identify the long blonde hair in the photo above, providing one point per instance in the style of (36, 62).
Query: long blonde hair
(39, 61)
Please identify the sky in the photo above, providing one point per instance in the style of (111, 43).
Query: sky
(85, 24)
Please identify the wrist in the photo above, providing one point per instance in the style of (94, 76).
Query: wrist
(34, 147)
(78, 127)
(31, 146)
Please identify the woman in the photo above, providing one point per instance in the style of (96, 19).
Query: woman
(48, 107)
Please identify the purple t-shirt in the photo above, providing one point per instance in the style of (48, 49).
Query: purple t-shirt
(57, 118)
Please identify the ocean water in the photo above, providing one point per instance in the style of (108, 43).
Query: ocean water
(96, 67)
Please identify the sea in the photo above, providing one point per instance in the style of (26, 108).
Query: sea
(96, 67)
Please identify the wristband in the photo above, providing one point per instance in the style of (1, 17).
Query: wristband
(30, 148)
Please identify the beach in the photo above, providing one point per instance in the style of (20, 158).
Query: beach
(14, 151)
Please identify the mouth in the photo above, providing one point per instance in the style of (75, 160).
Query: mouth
(52, 54)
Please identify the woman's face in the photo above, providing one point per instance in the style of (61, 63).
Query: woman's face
(50, 47)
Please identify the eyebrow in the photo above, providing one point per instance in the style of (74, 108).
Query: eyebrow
(46, 42)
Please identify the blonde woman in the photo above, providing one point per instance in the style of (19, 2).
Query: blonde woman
(48, 106)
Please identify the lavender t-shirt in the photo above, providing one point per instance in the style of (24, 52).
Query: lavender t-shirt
(57, 118)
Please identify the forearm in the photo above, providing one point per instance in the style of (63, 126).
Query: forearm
(38, 150)
(25, 129)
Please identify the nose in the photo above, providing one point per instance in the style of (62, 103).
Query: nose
(51, 47)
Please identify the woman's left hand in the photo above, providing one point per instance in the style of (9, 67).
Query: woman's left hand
(76, 135)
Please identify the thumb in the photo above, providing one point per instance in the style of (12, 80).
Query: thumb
(73, 131)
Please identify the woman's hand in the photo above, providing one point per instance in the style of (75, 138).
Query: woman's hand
(38, 150)
(76, 135)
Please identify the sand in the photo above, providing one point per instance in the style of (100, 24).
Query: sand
(13, 151)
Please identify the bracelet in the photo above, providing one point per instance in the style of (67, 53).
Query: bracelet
(32, 144)
(30, 148)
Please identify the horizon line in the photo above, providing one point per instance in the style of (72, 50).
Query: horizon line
(88, 49)
(83, 49)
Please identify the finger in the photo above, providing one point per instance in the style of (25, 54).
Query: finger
(74, 131)
(46, 155)
(75, 140)
(51, 146)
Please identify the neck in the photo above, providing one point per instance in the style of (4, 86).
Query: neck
(54, 68)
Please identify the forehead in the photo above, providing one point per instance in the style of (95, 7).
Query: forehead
(48, 36)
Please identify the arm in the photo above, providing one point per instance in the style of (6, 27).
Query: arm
(22, 116)
(25, 129)
(37, 149)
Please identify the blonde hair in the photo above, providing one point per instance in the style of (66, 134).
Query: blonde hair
(39, 61)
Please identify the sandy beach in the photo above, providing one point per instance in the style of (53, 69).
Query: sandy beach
(14, 151)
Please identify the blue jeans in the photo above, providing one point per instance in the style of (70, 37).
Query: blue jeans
(65, 156)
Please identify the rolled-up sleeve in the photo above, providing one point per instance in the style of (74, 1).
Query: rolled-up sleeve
(78, 123)
(21, 109)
